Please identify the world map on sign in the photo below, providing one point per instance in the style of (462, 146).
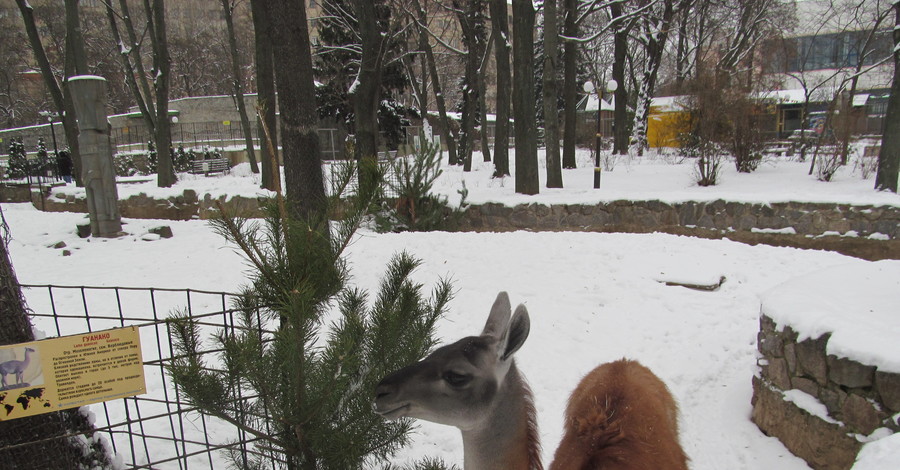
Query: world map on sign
(13, 402)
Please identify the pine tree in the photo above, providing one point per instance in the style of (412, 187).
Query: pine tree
(42, 164)
(18, 161)
(311, 383)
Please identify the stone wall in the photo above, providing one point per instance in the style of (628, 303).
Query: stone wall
(803, 217)
(182, 207)
(858, 398)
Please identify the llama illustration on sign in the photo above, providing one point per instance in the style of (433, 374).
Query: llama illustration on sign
(22, 373)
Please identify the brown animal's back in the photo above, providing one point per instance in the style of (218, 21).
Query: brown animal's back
(621, 417)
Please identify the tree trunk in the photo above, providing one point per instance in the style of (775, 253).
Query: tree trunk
(482, 103)
(444, 121)
(63, 106)
(550, 95)
(523, 98)
(238, 84)
(265, 96)
(52, 448)
(570, 85)
(620, 113)
(162, 64)
(655, 31)
(305, 188)
(129, 69)
(889, 157)
(134, 49)
(470, 15)
(500, 26)
(366, 92)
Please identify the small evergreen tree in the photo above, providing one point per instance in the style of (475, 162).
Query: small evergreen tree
(152, 157)
(311, 384)
(411, 180)
(42, 163)
(18, 161)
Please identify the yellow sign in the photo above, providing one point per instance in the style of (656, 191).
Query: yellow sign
(226, 123)
(70, 371)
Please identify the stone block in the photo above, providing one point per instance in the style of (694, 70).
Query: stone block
(811, 358)
(83, 230)
(860, 415)
(887, 385)
(164, 231)
(833, 400)
(766, 323)
(776, 372)
(850, 373)
(770, 344)
(808, 386)
(823, 445)
(790, 356)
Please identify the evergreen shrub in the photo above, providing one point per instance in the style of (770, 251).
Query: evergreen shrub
(299, 370)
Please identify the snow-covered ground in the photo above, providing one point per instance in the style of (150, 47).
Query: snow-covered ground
(592, 297)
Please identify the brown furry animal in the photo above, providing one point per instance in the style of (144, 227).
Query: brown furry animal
(621, 417)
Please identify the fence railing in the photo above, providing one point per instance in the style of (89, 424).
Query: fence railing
(135, 137)
(157, 430)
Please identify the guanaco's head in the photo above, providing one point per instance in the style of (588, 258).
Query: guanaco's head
(457, 384)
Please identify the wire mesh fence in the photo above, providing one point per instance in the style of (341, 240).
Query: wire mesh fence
(159, 429)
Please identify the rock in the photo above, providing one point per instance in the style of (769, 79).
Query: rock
(776, 372)
(83, 230)
(66, 253)
(790, 356)
(806, 385)
(811, 358)
(163, 231)
(58, 245)
(860, 415)
(850, 373)
(824, 446)
(888, 387)
(833, 400)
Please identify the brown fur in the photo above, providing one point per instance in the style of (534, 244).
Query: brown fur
(531, 459)
(621, 417)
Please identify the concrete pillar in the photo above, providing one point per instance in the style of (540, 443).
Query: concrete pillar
(97, 169)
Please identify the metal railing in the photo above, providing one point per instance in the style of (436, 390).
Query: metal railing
(159, 429)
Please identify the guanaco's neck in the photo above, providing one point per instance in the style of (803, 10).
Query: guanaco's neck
(507, 438)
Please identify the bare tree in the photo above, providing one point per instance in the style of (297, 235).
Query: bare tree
(472, 23)
(570, 91)
(238, 82)
(156, 15)
(421, 17)
(62, 103)
(550, 95)
(889, 156)
(265, 96)
(500, 32)
(305, 188)
(654, 25)
(524, 99)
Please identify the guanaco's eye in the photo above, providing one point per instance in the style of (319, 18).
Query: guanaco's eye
(456, 380)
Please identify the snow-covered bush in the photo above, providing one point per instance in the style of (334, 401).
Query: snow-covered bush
(18, 161)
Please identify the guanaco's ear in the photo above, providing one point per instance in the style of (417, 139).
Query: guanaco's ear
(516, 334)
(498, 320)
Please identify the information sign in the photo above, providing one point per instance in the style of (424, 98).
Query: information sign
(70, 371)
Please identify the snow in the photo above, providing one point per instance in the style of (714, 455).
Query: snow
(864, 323)
(85, 77)
(878, 455)
(592, 297)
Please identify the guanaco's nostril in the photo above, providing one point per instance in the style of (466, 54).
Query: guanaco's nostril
(382, 391)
